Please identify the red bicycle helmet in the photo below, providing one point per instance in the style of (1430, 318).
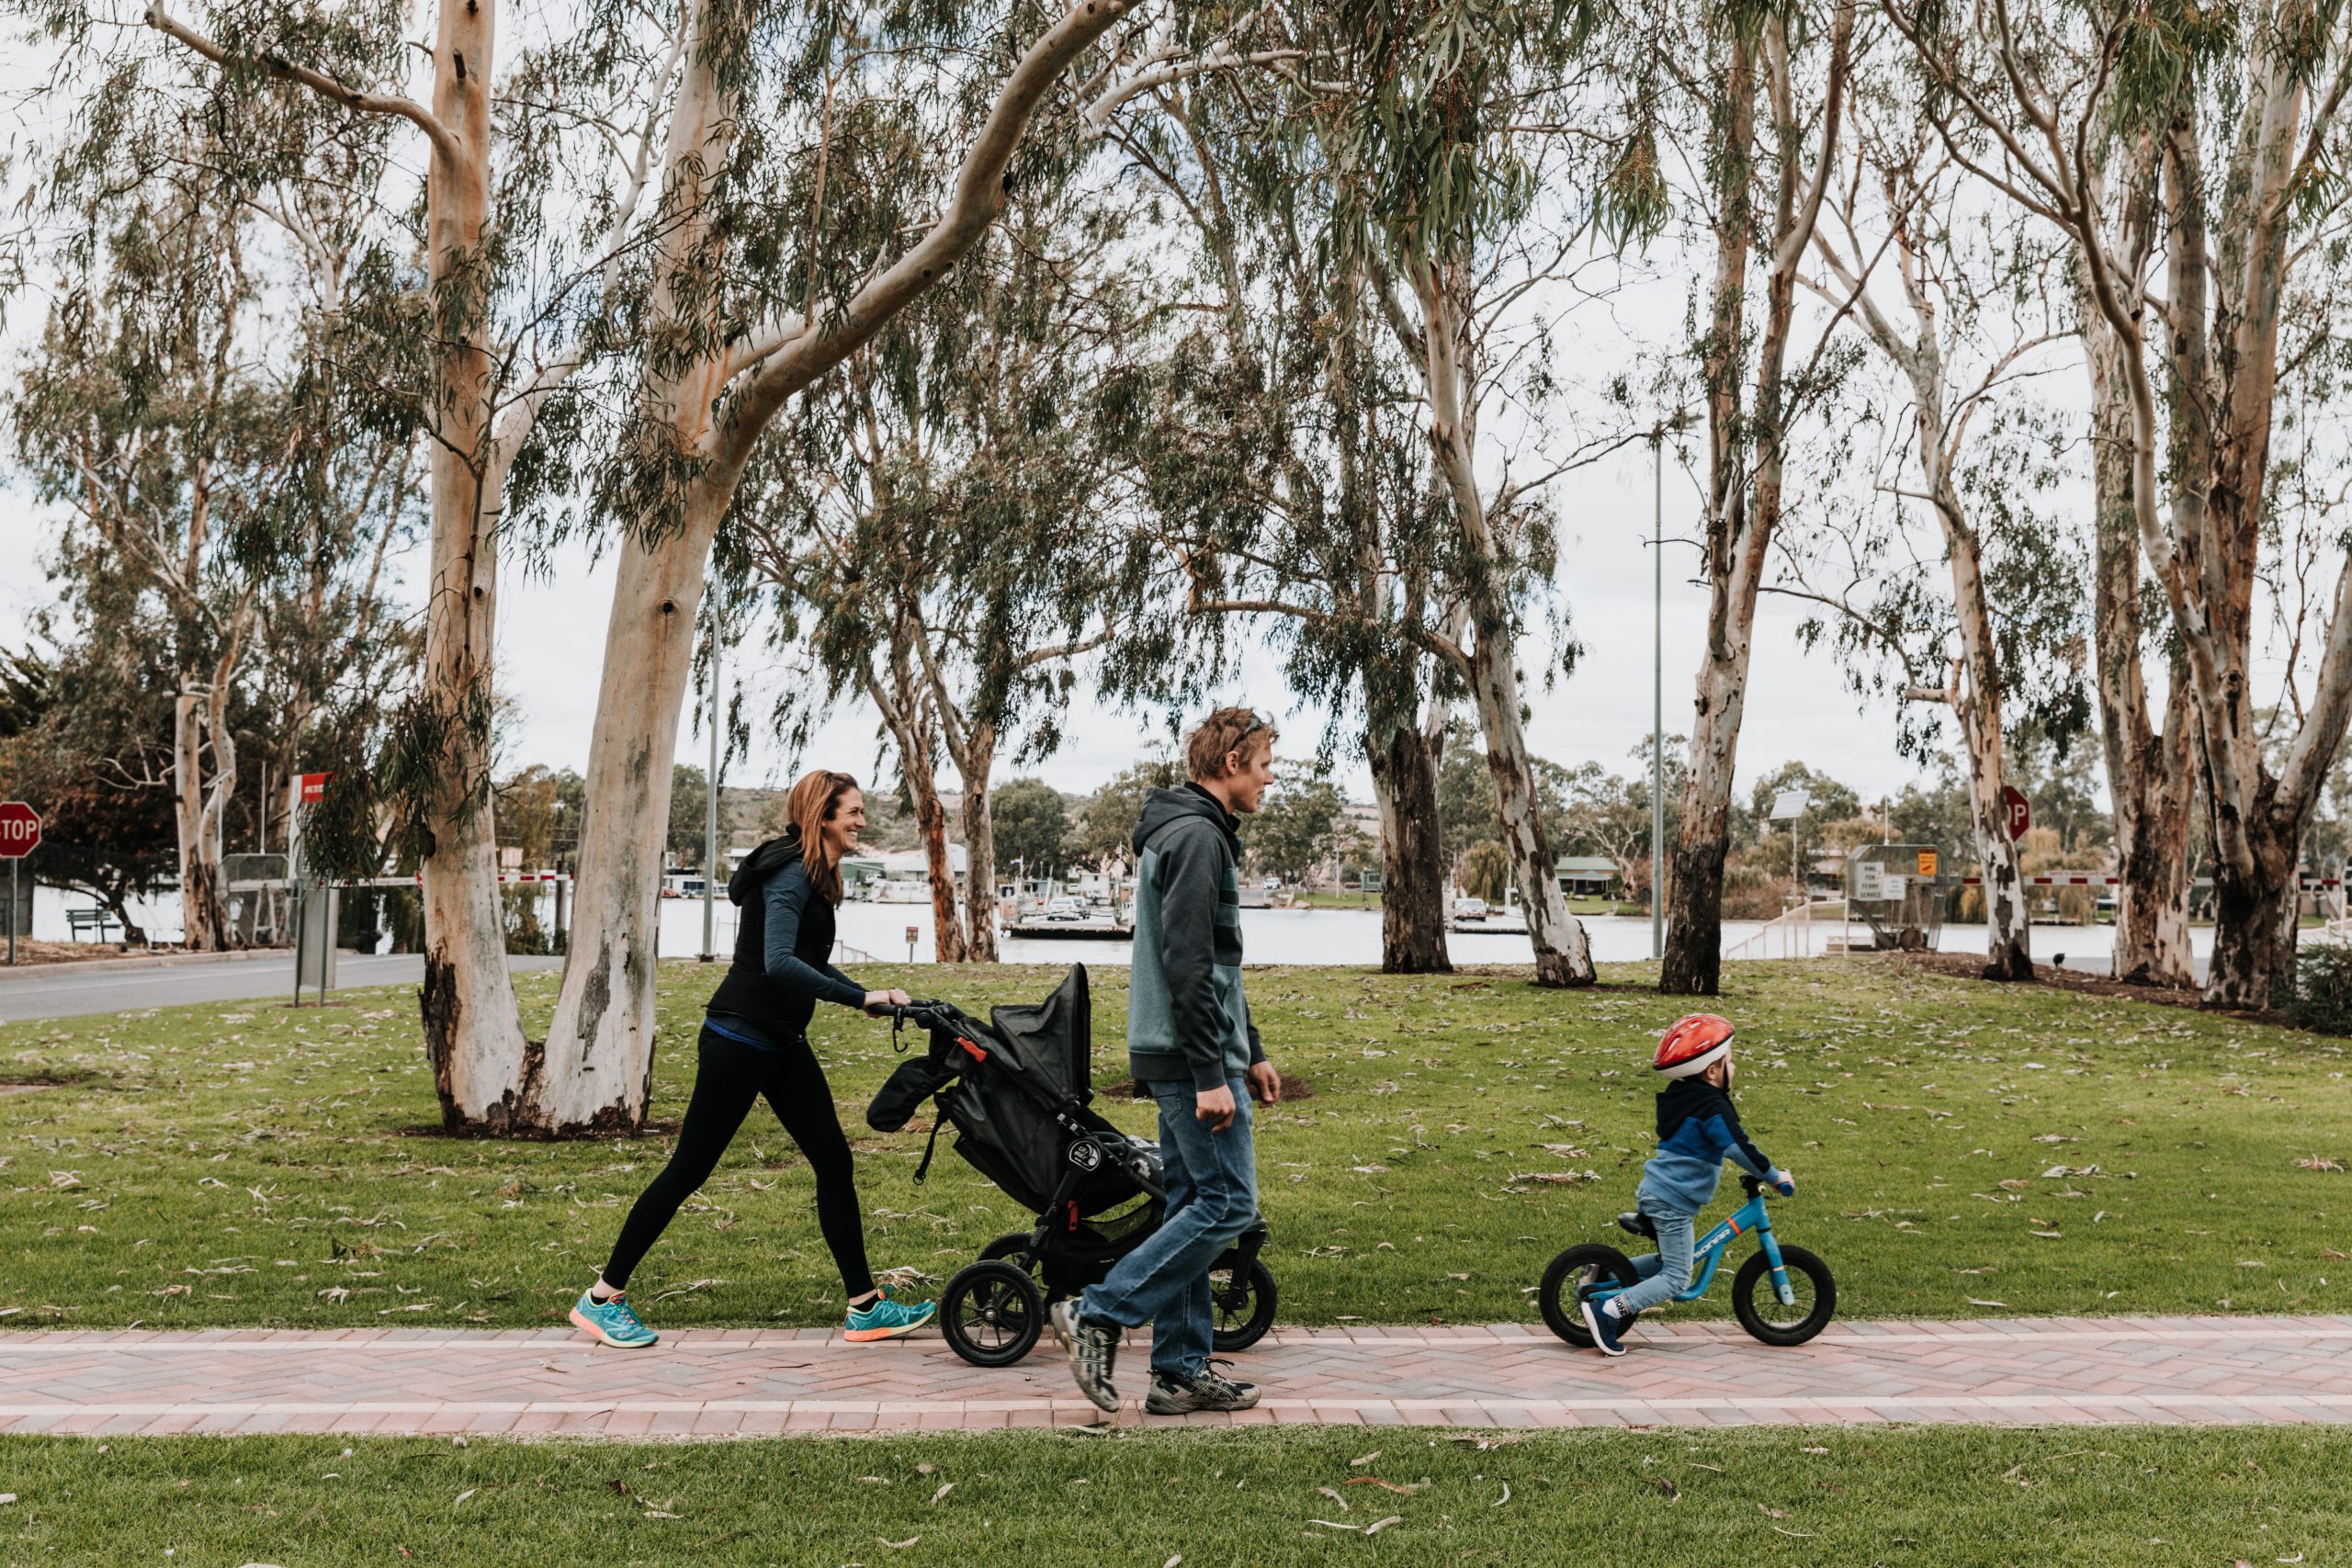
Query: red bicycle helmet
(1693, 1045)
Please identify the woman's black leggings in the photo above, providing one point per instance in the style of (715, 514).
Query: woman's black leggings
(728, 1076)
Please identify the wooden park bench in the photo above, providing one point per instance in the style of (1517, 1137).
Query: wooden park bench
(80, 920)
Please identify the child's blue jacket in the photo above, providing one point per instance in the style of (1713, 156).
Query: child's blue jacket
(1697, 1130)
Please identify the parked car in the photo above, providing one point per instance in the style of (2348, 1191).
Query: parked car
(1471, 909)
(1064, 909)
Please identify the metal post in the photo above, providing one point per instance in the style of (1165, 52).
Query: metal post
(710, 816)
(1657, 695)
(301, 939)
(13, 864)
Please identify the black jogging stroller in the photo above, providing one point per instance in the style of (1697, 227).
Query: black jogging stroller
(1018, 1091)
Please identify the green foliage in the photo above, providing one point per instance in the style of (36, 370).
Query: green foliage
(1032, 824)
(1106, 823)
(2318, 995)
(1485, 872)
(685, 839)
(1296, 829)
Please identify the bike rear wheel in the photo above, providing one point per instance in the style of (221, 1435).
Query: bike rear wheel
(1763, 1313)
(1590, 1264)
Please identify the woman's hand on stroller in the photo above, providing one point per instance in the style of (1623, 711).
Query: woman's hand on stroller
(879, 1003)
(1266, 1083)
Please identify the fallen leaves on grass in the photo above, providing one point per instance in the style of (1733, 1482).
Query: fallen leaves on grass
(1391, 1485)
(944, 1488)
(1981, 1302)
(2318, 1162)
(1367, 1459)
(900, 1545)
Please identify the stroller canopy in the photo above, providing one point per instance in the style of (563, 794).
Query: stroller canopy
(1052, 1042)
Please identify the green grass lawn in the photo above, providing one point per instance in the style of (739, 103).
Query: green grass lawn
(1963, 1150)
(1942, 1496)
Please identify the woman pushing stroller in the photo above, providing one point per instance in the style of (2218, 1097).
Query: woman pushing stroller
(754, 1043)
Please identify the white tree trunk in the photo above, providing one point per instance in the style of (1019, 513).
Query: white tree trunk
(1562, 956)
(599, 1065)
(472, 1034)
(203, 922)
(2148, 773)
(974, 761)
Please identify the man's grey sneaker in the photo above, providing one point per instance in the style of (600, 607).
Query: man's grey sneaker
(1092, 1352)
(1205, 1390)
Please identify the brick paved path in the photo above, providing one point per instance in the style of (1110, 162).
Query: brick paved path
(718, 1382)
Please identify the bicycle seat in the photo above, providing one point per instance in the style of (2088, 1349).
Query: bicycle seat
(1638, 1223)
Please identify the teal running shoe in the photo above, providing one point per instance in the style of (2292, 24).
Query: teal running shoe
(883, 1318)
(614, 1322)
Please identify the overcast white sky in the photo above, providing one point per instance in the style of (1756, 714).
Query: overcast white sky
(553, 624)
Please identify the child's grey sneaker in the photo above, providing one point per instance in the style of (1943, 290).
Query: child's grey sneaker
(1093, 1353)
(1205, 1390)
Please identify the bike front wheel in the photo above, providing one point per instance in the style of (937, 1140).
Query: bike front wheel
(1591, 1264)
(1763, 1313)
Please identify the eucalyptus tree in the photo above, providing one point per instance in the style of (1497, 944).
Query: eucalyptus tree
(507, 309)
(182, 406)
(1762, 88)
(779, 273)
(948, 543)
(140, 414)
(1475, 150)
(1274, 430)
(455, 332)
(1962, 306)
(1412, 155)
(2233, 118)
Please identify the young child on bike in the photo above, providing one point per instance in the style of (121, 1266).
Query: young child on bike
(1697, 1130)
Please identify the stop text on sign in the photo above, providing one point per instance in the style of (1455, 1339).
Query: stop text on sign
(2016, 816)
(314, 787)
(19, 829)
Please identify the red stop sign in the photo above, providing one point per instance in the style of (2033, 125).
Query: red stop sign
(2016, 815)
(19, 829)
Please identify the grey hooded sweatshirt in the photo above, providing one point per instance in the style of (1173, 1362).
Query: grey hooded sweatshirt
(1187, 1021)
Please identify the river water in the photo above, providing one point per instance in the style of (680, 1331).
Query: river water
(878, 933)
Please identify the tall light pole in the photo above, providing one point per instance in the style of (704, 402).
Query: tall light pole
(710, 809)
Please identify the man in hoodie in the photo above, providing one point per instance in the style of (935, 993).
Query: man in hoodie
(1191, 1046)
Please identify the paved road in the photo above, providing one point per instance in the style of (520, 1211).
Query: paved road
(60, 991)
(718, 1382)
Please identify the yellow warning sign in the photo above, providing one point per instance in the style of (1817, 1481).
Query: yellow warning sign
(1926, 863)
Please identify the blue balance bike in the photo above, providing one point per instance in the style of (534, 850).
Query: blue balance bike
(1783, 1295)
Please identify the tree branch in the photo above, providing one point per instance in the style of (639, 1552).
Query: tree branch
(444, 140)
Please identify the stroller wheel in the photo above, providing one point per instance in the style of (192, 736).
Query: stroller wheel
(1009, 1244)
(990, 1313)
(1241, 1310)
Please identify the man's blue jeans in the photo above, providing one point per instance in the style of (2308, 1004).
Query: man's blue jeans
(1212, 1199)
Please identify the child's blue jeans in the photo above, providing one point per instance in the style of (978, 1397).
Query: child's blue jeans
(1666, 1273)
